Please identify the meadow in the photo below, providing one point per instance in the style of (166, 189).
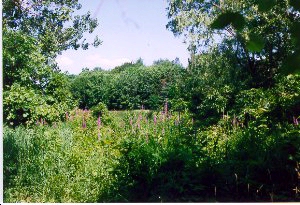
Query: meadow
(146, 156)
(224, 128)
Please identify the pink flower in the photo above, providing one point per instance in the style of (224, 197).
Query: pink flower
(166, 107)
(295, 120)
(83, 124)
(67, 116)
(130, 121)
(155, 120)
(99, 122)
(138, 124)
(161, 118)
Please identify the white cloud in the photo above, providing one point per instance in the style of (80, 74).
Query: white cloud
(64, 61)
(95, 60)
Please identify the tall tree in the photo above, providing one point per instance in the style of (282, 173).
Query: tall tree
(51, 22)
(34, 33)
(261, 32)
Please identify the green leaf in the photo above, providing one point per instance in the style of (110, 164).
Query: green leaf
(255, 43)
(234, 18)
(292, 64)
(295, 31)
(295, 4)
(266, 5)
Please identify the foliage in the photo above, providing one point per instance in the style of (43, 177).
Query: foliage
(90, 88)
(99, 110)
(22, 60)
(263, 35)
(52, 23)
(34, 32)
(130, 86)
(224, 129)
(166, 156)
(27, 106)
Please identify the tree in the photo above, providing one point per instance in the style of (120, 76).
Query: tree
(262, 33)
(34, 33)
(51, 22)
(23, 61)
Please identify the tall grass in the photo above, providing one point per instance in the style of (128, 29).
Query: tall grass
(145, 156)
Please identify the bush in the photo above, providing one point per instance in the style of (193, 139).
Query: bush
(100, 110)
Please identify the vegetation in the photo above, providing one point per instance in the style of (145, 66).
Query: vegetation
(224, 129)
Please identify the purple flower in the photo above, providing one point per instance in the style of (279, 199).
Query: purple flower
(161, 118)
(83, 124)
(295, 120)
(99, 122)
(166, 107)
(67, 116)
(155, 120)
(130, 122)
(138, 124)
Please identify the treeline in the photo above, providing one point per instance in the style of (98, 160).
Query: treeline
(129, 86)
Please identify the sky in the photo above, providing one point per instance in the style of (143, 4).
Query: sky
(129, 29)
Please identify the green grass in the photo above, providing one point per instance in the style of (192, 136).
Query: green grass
(132, 159)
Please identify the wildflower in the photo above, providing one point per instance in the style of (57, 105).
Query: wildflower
(83, 124)
(161, 118)
(295, 120)
(130, 122)
(155, 120)
(99, 122)
(166, 107)
(138, 124)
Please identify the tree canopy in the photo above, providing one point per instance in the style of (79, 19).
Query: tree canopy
(34, 33)
(263, 34)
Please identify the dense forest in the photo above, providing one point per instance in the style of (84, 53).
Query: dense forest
(223, 129)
